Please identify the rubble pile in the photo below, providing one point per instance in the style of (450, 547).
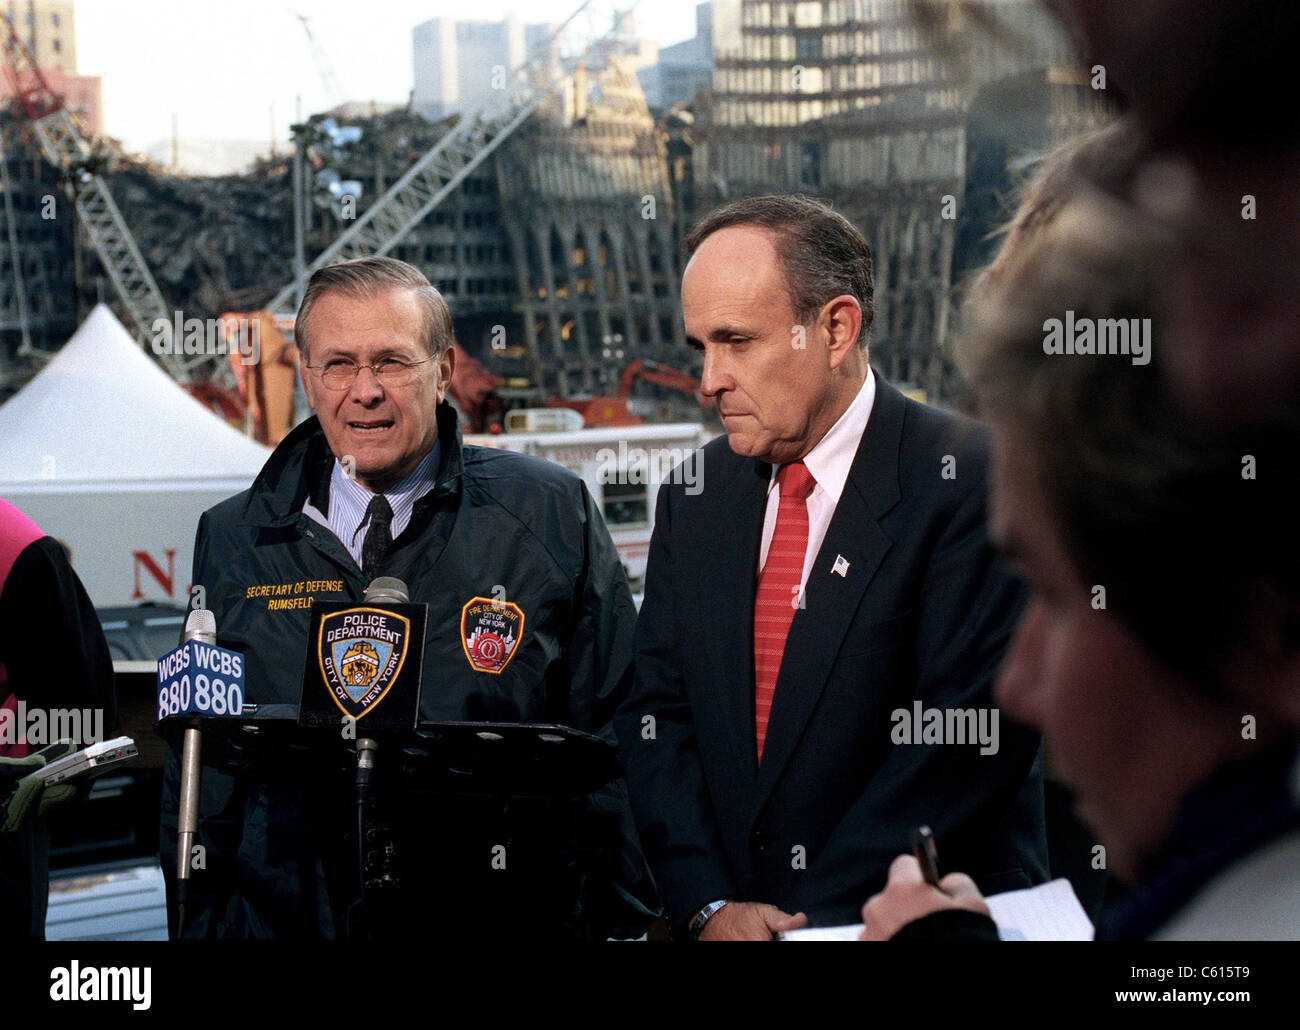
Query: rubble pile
(218, 244)
(213, 244)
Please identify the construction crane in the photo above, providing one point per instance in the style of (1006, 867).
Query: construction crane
(465, 146)
(78, 164)
(325, 67)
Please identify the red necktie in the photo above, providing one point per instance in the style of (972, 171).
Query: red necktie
(778, 588)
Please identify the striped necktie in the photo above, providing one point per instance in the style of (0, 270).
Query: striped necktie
(778, 588)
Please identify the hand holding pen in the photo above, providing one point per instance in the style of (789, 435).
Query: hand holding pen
(914, 890)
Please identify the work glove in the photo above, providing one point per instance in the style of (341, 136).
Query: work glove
(26, 796)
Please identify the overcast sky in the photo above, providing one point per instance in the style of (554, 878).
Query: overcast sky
(223, 67)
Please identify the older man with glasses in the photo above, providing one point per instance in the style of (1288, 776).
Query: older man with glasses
(378, 484)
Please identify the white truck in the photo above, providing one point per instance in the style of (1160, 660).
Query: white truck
(623, 467)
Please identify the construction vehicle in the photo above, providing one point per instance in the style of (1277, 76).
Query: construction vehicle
(475, 393)
(622, 459)
(622, 466)
(613, 411)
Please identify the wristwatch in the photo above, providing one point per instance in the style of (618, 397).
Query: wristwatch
(710, 910)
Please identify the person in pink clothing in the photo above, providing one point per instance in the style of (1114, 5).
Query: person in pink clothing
(53, 655)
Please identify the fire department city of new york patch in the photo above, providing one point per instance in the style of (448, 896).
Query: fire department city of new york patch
(361, 651)
(490, 632)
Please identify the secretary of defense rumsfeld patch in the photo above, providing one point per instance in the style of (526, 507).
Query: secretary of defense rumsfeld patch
(361, 651)
(490, 632)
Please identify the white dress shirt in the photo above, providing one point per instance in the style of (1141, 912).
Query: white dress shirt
(829, 462)
(348, 501)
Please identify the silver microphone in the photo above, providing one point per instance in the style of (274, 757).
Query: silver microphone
(387, 588)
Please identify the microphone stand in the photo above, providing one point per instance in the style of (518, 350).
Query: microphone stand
(393, 591)
(200, 625)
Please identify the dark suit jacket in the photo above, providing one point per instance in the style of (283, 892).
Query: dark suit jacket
(923, 612)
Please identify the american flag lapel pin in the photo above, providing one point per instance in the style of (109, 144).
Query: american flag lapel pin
(841, 566)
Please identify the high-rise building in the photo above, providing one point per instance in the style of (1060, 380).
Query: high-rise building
(860, 103)
(49, 30)
(458, 64)
(684, 68)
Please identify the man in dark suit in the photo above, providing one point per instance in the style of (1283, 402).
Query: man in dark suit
(823, 616)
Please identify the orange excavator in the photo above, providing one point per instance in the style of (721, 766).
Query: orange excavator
(473, 391)
(613, 411)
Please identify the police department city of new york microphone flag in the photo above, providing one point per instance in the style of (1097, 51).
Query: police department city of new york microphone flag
(361, 651)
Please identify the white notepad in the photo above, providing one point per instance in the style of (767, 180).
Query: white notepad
(1048, 912)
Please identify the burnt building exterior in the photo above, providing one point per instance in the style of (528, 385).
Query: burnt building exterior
(559, 254)
(866, 105)
(38, 251)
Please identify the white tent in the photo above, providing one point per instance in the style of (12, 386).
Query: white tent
(107, 453)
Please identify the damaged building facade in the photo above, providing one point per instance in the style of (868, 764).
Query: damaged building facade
(558, 254)
(861, 103)
(38, 256)
(561, 254)
(593, 226)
